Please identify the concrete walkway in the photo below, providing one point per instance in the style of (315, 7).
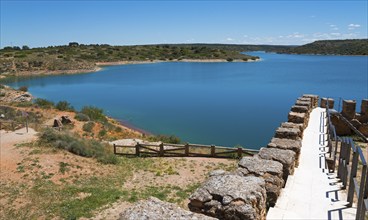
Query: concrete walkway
(312, 192)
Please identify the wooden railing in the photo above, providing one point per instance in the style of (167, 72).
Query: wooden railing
(352, 168)
(12, 124)
(182, 150)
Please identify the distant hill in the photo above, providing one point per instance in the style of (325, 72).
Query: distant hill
(332, 47)
(84, 57)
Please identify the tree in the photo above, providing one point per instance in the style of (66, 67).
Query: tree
(73, 44)
(25, 47)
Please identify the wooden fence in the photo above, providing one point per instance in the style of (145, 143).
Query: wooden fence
(182, 150)
(11, 123)
(352, 168)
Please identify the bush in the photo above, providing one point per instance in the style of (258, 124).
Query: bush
(64, 106)
(172, 139)
(87, 127)
(81, 117)
(94, 113)
(43, 103)
(102, 133)
(23, 89)
(229, 59)
(76, 145)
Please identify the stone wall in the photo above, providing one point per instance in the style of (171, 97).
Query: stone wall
(256, 184)
(358, 119)
(247, 192)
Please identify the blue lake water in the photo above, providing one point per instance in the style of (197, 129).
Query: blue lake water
(211, 103)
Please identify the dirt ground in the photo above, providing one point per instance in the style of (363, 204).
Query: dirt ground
(21, 162)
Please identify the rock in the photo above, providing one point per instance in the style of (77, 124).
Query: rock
(314, 100)
(348, 109)
(57, 123)
(285, 157)
(304, 103)
(289, 133)
(25, 97)
(298, 118)
(327, 102)
(231, 196)
(287, 144)
(363, 128)
(218, 172)
(271, 171)
(153, 208)
(65, 120)
(294, 125)
(299, 108)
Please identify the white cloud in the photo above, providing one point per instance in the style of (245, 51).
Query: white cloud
(229, 39)
(335, 34)
(295, 35)
(353, 26)
(334, 27)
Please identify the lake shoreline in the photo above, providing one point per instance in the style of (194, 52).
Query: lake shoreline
(99, 66)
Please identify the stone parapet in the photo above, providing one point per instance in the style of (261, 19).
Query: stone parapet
(327, 101)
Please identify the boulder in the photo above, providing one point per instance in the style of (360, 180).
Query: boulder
(304, 103)
(231, 196)
(271, 171)
(218, 172)
(57, 123)
(153, 208)
(289, 133)
(363, 128)
(285, 157)
(65, 120)
(25, 97)
(287, 144)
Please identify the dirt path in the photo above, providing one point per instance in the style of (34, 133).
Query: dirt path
(9, 154)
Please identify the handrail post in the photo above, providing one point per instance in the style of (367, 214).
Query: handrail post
(13, 127)
(360, 207)
(137, 153)
(353, 172)
(114, 148)
(213, 150)
(161, 153)
(186, 149)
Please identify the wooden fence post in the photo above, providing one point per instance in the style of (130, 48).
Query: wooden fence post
(186, 149)
(137, 153)
(114, 149)
(361, 198)
(13, 127)
(213, 150)
(240, 152)
(161, 153)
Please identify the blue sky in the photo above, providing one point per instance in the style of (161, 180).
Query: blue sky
(45, 23)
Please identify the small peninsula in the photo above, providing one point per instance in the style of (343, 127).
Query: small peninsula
(77, 58)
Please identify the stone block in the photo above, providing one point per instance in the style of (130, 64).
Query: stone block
(285, 157)
(348, 109)
(231, 196)
(153, 208)
(288, 133)
(270, 171)
(298, 118)
(300, 109)
(327, 101)
(287, 144)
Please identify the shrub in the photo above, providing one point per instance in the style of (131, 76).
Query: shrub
(229, 59)
(64, 106)
(94, 113)
(102, 133)
(81, 117)
(76, 145)
(23, 89)
(87, 127)
(172, 139)
(43, 103)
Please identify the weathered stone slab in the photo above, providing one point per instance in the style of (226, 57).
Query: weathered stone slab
(314, 98)
(300, 109)
(271, 171)
(153, 208)
(348, 109)
(327, 102)
(231, 196)
(298, 118)
(304, 103)
(287, 144)
(299, 126)
(285, 157)
(288, 133)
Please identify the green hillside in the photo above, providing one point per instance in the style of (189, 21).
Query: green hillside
(333, 47)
